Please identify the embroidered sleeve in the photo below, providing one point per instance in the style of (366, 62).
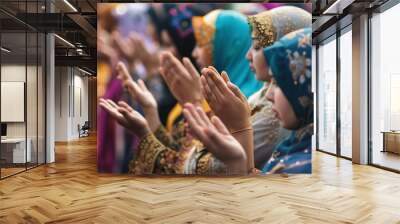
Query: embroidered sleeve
(172, 140)
(178, 135)
(153, 157)
(209, 165)
(163, 136)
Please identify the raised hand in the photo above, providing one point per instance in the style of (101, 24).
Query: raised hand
(225, 99)
(123, 46)
(142, 95)
(137, 90)
(182, 79)
(138, 48)
(216, 137)
(126, 116)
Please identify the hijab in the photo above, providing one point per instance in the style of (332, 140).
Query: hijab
(266, 127)
(270, 26)
(290, 63)
(226, 33)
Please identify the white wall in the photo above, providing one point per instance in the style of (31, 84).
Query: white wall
(61, 103)
(71, 93)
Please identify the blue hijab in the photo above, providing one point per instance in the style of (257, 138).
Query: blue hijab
(290, 63)
(230, 45)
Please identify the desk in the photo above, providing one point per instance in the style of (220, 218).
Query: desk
(391, 141)
(13, 150)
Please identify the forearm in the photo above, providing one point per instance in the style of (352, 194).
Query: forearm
(245, 138)
(152, 117)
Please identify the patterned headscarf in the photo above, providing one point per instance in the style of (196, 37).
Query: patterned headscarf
(290, 63)
(226, 34)
(269, 26)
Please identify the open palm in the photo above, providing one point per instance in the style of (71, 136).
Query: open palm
(182, 78)
(224, 98)
(137, 90)
(126, 116)
(216, 137)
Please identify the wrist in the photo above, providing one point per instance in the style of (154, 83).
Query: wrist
(151, 63)
(197, 103)
(238, 166)
(245, 127)
(242, 131)
(150, 110)
(143, 132)
(151, 115)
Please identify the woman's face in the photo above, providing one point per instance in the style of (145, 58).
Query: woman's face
(258, 64)
(202, 55)
(281, 107)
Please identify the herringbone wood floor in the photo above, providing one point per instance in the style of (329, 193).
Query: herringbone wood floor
(71, 191)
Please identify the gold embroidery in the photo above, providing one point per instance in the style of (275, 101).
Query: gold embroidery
(148, 150)
(303, 42)
(298, 66)
(305, 101)
(263, 28)
(162, 134)
(203, 164)
(271, 25)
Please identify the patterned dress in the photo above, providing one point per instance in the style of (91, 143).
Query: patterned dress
(179, 153)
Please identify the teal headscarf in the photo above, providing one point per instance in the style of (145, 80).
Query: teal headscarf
(230, 45)
(290, 63)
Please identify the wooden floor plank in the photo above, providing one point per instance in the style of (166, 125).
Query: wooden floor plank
(71, 191)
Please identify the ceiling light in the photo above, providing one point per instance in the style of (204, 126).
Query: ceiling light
(64, 40)
(84, 71)
(70, 5)
(337, 7)
(5, 50)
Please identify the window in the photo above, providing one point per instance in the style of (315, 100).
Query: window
(346, 93)
(385, 89)
(327, 96)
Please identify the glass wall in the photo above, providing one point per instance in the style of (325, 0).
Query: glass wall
(346, 92)
(314, 85)
(385, 89)
(22, 89)
(327, 95)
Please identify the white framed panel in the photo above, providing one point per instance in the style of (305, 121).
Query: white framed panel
(12, 101)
